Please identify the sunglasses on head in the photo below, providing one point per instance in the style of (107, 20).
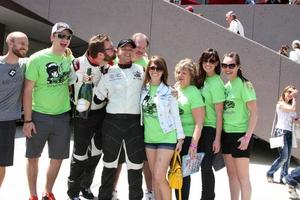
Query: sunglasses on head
(158, 69)
(63, 36)
(230, 66)
(211, 61)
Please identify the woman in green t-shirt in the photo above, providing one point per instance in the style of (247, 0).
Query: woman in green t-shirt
(239, 121)
(192, 112)
(212, 90)
(162, 126)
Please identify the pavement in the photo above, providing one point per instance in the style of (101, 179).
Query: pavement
(15, 184)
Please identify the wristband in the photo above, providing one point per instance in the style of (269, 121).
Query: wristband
(28, 121)
(193, 146)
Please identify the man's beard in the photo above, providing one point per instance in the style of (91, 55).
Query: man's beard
(108, 58)
(18, 53)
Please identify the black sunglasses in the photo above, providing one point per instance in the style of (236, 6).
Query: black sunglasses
(158, 69)
(230, 66)
(211, 61)
(63, 36)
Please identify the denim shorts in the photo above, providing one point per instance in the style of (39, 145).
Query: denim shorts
(170, 146)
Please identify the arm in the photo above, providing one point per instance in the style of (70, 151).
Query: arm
(288, 107)
(252, 107)
(217, 141)
(198, 115)
(178, 125)
(28, 127)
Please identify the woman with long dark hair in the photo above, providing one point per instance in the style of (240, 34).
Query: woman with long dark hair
(239, 121)
(162, 126)
(212, 90)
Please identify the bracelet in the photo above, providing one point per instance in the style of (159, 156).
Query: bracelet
(193, 146)
(28, 121)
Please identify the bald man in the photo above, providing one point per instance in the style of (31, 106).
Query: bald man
(12, 67)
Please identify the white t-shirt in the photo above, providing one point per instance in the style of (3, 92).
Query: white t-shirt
(295, 55)
(284, 119)
(236, 27)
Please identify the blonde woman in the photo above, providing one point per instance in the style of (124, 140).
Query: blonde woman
(192, 112)
(286, 112)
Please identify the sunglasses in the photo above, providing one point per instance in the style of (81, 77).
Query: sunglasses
(230, 66)
(158, 69)
(62, 36)
(211, 61)
(109, 49)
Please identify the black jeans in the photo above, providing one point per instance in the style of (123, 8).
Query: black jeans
(207, 175)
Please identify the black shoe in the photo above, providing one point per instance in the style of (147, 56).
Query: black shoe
(87, 193)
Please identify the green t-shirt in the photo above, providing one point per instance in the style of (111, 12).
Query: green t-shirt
(236, 113)
(50, 73)
(189, 98)
(152, 130)
(213, 92)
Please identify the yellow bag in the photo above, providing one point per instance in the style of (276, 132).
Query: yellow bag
(175, 174)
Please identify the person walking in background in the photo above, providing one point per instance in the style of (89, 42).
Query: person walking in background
(163, 131)
(239, 121)
(46, 104)
(88, 132)
(234, 24)
(295, 54)
(286, 112)
(12, 68)
(212, 90)
(123, 139)
(192, 112)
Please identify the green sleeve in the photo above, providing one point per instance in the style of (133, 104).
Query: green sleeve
(32, 69)
(197, 99)
(218, 93)
(248, 92)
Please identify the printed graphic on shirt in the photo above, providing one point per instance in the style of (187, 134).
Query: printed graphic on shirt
(55, 73)
(149, 107)
(181, 111)
(137, 75)
(227, 103)
(12, 72)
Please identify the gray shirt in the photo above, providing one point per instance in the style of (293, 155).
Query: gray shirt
(11, 87)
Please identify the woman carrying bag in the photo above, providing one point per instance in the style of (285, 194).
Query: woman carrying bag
(286, 113)
(162, 126)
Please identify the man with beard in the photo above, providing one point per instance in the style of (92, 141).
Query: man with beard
(123, 138)
(12, 67)
(87, 132)
(46, 108)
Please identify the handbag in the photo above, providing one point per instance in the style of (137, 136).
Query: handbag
(175, 173)
(275, 141)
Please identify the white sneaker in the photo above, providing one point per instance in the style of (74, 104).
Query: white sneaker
(293, 192)
(149, 196)
(115, 195)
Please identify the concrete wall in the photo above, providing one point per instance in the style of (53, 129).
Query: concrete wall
(269, 25)
(176, 34)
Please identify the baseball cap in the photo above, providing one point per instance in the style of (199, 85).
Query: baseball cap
(61, 26)
(124, 42)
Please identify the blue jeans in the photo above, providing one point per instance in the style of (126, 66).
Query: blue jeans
(284, 158)
(294, 177)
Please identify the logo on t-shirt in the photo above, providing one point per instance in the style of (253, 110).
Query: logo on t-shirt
(55, 73)
(12, 72)
(137, 75)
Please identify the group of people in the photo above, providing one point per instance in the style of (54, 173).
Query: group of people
(136, 117)
(294, 54)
